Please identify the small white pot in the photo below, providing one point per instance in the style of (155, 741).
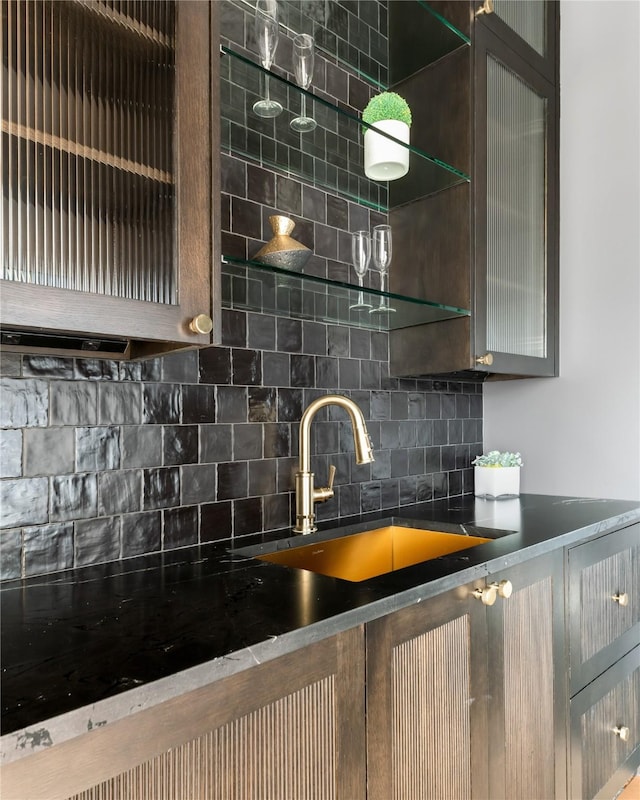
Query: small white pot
(385, 160)
(496, 481)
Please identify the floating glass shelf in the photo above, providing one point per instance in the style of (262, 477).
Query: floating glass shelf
(331, 156)
(248, 285)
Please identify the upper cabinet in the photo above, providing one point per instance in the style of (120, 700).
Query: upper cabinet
(110, 178)
(491, 245)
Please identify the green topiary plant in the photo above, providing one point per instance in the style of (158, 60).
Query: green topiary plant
(387, 105)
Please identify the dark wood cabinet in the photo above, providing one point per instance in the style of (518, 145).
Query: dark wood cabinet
(491, 108)
(467, 700)
(293, 727)
(604, 655)
(111, 185)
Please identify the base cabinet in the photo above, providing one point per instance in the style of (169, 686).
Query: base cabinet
(293, 727)
(604, 655)
(467, 700)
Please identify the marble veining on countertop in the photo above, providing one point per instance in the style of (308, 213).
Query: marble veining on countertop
(86, 647)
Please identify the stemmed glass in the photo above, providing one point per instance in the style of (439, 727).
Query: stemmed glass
(266, 27)
(381, 246)
(303, 58)
(360, 256)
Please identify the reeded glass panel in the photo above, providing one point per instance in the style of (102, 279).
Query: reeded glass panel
(527, 19)
(87, 107)
(516, 240)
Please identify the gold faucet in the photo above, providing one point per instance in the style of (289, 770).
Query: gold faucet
(306, 495)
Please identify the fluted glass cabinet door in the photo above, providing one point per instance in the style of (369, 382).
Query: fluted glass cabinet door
(105, 157)
(516, 229)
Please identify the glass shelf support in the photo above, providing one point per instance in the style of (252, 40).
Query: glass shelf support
(250, 286)
(330, 157)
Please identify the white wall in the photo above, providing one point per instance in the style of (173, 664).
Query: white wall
(580, 433)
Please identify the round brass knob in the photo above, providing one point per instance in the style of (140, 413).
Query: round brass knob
(504, 589)
(622, 598)
(487, 595)
(486, 7)
(622, 731)
(201, 324)
(486, 359)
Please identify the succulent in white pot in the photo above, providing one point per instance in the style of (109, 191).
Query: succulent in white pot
(384, 159)
(497, 474)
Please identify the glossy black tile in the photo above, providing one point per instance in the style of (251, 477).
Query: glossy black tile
(25, 403)
(289, 405)
(275, 369)
(180, 444)
(232, 404)
(262, 477)
(233, 173)
(161, 487)
(247, 367)
(198, 404)
(161, 403)
(120, 403)
(10, 365)
(74, 403)
(48, 451)
(277, 440)
(276, 510)
(247, 441)
(289, 335)
(232, 480)
(247, 516)
(23, 501)
(47, 546)
(198, 483)
(141, 446)
(216, 443)
(216, 521)
(302, 370)
(96, 369)
(288, 195)
(234, 328)
(10, 554)
(11, 453)
(97, 448)
(180, 367)
(180, 527)
(97, 541)
(74, 497)
(261, 331)
(47, 366)
(119, 492)
(141, 533)
(215, 365)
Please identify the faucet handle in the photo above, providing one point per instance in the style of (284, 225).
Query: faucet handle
(332, 476)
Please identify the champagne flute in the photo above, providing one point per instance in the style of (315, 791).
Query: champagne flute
(266, 28)
(303, 58)
(381, 246)
(360, 256)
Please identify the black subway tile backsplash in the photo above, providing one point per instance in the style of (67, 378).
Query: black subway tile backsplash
(102, 460)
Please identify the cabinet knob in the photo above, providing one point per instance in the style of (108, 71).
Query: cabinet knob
(201, 324)
(488, 595)
(622, 731)
(622, 598)
(504, 589)
(486, 359)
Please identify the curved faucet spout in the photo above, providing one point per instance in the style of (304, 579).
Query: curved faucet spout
(306, 495)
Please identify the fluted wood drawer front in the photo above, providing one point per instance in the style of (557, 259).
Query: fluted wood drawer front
(605, 731)
(604, 602)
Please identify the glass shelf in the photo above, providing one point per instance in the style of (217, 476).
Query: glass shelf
(272, 143)
(248, 285)
(355, 36)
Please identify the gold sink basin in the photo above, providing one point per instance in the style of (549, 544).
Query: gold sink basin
(375, 552)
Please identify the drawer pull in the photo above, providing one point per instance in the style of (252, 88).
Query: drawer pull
(487, 595)
(622, 731)
(622, 598)
(504, 589)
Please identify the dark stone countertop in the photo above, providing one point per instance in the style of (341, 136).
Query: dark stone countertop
(86, 647)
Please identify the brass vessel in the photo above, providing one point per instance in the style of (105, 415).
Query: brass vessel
(282, 250)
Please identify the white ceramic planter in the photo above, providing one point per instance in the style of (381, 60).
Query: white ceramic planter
(496, 481)
(385, 160)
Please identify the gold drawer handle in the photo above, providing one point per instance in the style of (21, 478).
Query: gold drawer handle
(622, 731)
(622, 598)
(490, 593)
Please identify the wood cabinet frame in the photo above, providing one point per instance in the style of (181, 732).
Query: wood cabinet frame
(153, 326)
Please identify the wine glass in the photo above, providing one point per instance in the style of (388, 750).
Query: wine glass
(303, 57)
(360, 256)
(381, 246)
(266, 27)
